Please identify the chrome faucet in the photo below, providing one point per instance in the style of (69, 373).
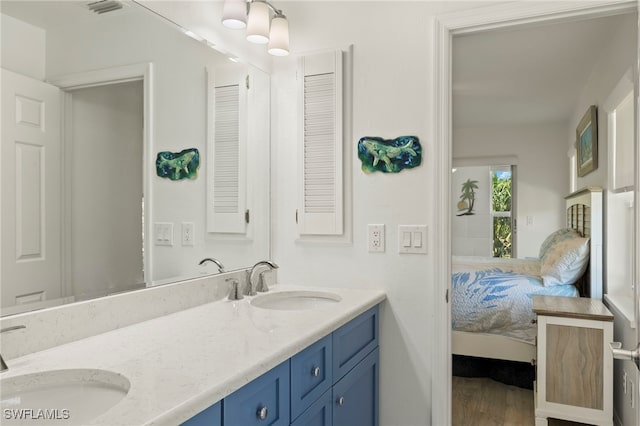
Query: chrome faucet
(216, 261)
(261, 286)
(3, 365)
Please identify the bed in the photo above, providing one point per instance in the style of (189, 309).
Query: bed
(491, 297)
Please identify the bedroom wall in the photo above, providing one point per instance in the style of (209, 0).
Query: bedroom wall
(542, 177)
(471, 235)
(618, 54)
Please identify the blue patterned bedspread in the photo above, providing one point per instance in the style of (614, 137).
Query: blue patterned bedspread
(494, 295)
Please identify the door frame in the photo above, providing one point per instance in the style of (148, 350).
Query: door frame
(444, 28)
(135, 72)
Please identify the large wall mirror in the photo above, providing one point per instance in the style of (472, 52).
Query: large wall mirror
(89, 100)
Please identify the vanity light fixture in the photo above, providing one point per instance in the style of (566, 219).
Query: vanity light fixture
(279, 35)
(255, 15)
(234, 14)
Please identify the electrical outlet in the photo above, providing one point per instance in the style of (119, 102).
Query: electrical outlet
(376, 238)
(187, 233)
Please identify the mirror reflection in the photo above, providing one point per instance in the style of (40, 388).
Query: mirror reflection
(90, 98)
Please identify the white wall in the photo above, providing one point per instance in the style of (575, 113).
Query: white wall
(179, 122)
(472, 235)
(542, 179)
(618, 55)
(23, 47)
(391, 97)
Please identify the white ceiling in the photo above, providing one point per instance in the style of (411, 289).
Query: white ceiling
(524, 76)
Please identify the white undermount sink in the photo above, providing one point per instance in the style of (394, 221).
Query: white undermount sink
(298, 300)
(61, 397)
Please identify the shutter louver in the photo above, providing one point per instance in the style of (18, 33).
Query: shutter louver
(321, 174)
(226, 149)
(227, 119)
(319, 144)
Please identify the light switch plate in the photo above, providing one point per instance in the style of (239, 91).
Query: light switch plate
(163, 233)
(412, 239)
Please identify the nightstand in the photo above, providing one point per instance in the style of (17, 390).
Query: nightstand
(574, 374)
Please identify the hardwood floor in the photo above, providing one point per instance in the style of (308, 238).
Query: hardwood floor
(485, 402)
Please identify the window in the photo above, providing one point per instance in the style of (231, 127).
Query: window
(501, 206)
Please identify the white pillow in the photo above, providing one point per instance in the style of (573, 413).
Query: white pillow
(565, 261)
(555, 237)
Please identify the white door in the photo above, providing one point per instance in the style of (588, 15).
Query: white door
(31, 190)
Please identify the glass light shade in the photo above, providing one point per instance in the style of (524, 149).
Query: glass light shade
(258, 23)
(279, 36)
(234, 14)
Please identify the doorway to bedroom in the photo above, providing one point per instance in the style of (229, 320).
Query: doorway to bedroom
(516, 92)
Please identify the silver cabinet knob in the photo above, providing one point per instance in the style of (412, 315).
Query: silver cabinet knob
(340, 401)
(315, 371)
(262, 413)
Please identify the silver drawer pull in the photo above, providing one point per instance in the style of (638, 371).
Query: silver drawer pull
(262, 413)
(340, 401)
(315, 371)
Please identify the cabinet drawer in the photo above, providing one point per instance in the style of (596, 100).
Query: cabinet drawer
(264, 401)
(212, 416)
(355, 396)
(354, 341)
(311, 375)
(318, 414)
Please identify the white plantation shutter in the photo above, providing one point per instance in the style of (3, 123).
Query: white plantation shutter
(320, 207)
(227, 117)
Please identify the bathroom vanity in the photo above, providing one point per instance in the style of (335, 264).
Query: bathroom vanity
(334, 381)
(227, 362)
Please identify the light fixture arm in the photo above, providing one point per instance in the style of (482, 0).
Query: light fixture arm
(276, 11)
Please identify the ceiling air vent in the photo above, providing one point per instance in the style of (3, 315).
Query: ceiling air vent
(104, 6)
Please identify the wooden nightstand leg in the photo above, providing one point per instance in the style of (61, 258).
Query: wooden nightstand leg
(542, 421)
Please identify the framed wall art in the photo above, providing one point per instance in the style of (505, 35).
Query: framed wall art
(587, 142)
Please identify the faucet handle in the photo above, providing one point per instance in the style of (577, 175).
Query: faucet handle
(234, 292)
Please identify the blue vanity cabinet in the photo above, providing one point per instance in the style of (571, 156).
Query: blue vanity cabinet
(353, 341)
(311, 375)
(332, 382)
(212, 416)
(320, 413)
(262, 402)
(355, 396)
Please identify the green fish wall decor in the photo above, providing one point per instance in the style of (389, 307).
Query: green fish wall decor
(178, 165)
(389, 155)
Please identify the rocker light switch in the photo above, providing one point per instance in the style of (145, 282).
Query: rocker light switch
(412, 239)
(406, 239)
(417, 239)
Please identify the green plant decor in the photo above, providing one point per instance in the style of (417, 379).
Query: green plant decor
(501, 202)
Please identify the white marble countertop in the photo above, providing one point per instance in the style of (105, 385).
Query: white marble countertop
(182, 363)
